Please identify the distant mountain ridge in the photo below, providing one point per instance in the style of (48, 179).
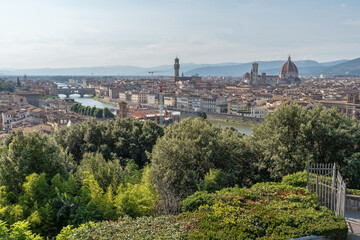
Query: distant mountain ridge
(306, 67)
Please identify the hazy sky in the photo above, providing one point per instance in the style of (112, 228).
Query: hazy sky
(77, 33)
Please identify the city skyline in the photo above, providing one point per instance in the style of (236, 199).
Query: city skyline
(60, 34)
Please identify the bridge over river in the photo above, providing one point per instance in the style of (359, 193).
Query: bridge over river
(76, 90)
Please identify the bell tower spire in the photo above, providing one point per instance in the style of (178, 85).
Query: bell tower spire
(177, 67)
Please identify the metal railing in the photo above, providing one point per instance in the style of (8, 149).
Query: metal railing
(326, 182)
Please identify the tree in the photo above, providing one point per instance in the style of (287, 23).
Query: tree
(123, 138)
(187, 152)
(99, 113)
(88, 110)
(293, 136)
(92, 111)
(19, 231)
(107, 113)
(137, 200)
(203, 115)
(280, 142)
(106, 173)
(31, 153)
(326, 127)
(6, 87)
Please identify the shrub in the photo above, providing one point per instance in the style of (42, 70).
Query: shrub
(353, 191)
(164, 227)
(298, 179)
(213, 181)
(193, 202)
(266, 211)
(17, 231)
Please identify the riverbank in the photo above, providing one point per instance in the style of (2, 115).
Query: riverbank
(235, 122)
(243, 127)
(103, 101)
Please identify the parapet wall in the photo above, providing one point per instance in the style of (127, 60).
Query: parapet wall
(352, 202)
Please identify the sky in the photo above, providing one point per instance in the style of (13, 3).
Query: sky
(147, 33)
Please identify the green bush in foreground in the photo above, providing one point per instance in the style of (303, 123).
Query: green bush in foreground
(165, 227)
(17, 231)
(298, 179)
(265, 211)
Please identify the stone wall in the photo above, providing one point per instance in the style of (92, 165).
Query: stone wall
(352, 202)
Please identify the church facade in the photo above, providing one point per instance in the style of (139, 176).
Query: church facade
(288, 75)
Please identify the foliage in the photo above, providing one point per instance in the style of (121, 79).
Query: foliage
(31, 153)
(48, 207)
(17, 231)
(298, 179)
(87, 110)
(244, 111)
(187, 152)
(6, 87)
(124, 139)
(353, 191)
(194, 201)
(213, 181)
(106, 173)
(137, 199)
(203, 115)
(266, 211)
(351, 171)
(164, 227)
(293, 136)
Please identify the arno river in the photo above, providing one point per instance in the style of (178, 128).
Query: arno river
(88, 101)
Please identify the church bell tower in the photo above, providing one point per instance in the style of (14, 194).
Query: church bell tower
(177, 67)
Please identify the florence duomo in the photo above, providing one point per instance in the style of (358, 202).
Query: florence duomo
(288, 75)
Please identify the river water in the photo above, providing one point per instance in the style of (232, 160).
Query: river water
(89, 101)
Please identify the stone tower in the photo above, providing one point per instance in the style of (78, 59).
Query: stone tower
(254, 74)
(177, 67)
(122, 111)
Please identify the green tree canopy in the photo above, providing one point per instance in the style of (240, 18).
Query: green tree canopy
(125, 138)
(190, 149)
(293, 136)
(31, 153)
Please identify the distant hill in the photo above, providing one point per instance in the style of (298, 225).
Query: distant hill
(332, 63)
(306, 67)
(351, 67)
(270, 67)
(105, 70)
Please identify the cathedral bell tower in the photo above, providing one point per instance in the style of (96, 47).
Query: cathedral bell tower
(177, 67)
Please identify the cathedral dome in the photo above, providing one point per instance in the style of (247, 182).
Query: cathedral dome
(246, 76)
(289, 68)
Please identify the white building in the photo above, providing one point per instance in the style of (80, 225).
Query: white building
(182, 102)
(153, 99)
(196, 103)
(208, 104)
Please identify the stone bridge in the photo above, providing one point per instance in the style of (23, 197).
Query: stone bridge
(80, 91)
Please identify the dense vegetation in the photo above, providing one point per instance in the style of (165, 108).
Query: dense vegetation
(92, 111)
(55, 185)
(265, 211)
(123, 139)
(133, 172)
